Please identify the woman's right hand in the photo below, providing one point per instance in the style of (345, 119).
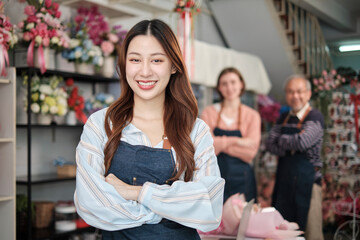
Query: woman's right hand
(129, 192)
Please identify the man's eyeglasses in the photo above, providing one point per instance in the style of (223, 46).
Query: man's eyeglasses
(299, 92)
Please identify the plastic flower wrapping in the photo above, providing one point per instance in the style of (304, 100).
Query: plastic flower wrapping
(46, 95)
(75, 101)
(100, 101)
(81, 48)
(8, 39)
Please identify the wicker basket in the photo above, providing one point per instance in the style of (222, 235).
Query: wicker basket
(44, 212)
(66, 170)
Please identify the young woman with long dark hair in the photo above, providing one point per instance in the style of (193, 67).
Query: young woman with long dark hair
(146, 166)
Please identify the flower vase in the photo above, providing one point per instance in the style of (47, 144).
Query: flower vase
(71, 118)
(108, 68)
(59, 119)
(49, 58)
(44, 119)
(83, 68)
(62, 64)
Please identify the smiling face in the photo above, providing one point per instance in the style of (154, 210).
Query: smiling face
(148, 68)
(297, 94)
(230, 86)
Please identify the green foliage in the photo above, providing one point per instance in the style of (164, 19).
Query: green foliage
(22, 205)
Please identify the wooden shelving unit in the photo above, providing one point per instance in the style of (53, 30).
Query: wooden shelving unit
(7, 153)
(32, 179)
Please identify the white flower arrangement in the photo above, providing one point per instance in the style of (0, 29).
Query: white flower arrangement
(46, 96)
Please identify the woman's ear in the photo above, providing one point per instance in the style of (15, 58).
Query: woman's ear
(173, 70)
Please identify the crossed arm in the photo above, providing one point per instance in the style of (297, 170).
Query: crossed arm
(108, 203)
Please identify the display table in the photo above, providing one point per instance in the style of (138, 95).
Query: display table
(246, 228)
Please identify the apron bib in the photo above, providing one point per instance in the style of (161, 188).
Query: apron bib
(294, 182)
(135, 165)
(239, 176)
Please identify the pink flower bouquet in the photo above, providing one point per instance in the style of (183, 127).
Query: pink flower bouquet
(99, 30)
(42, 28)
(268, 108)
(327, 81)
(7, 39)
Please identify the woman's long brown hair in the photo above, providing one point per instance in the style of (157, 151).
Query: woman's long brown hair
(180, 104)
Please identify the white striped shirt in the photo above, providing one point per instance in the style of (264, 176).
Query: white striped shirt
(196, 204)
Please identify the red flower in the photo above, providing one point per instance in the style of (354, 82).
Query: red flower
(55, 6)
(48, 3)
(69, 82)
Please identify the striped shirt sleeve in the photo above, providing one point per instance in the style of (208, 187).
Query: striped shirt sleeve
(311, 133)
(97, 202)
(272, 141)
(198, 203)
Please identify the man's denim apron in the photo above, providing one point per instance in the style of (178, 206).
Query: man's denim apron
(135, 165)
(294, 181)
(239, 176)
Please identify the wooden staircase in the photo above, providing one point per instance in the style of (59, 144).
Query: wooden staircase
(306, 38)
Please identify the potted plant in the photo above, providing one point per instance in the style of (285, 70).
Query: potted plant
(22, 213)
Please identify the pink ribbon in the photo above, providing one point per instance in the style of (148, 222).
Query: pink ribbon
(30, 54)
(4, 59)
(41, 59)
(186, 32)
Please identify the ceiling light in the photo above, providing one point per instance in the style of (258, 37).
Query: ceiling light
(349, 48)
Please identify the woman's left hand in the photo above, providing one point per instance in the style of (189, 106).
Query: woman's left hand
(129, 192)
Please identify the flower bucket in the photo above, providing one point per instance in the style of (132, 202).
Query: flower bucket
(49, 58)
(84, 68)
(71, 118)
(59, 119)
(62, 64)
(108, 68)
(44, 119)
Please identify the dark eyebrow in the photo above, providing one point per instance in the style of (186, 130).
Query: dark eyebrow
(153, 54)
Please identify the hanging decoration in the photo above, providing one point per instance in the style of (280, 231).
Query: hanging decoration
(186, 10)
(7, 39)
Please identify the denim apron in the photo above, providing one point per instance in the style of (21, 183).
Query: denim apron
(294, 182)
(239, 175)
(135, 165)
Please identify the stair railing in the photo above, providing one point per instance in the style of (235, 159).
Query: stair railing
(304, 32)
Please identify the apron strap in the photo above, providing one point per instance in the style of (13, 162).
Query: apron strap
(221, 109)
(301, 120)
(166, 144)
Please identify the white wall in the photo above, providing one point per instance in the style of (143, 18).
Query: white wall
(249, 26)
